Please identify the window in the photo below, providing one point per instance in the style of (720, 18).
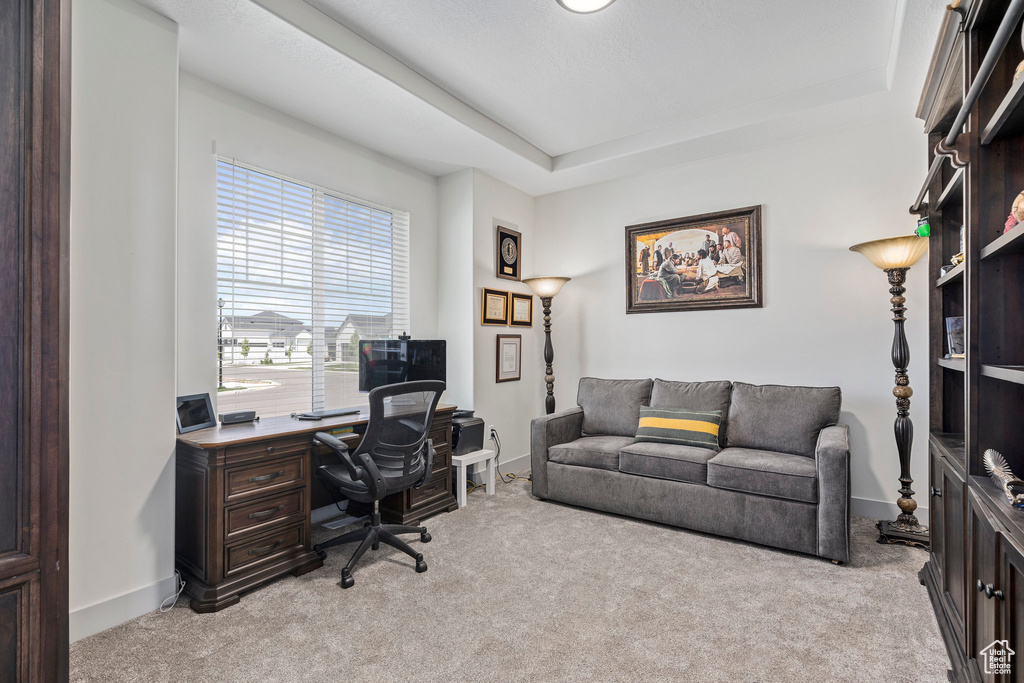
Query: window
(303, 274)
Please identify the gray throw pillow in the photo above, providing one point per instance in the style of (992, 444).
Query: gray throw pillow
(612, 406)
(780, 418)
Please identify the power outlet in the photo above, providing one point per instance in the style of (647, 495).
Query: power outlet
(490, 429)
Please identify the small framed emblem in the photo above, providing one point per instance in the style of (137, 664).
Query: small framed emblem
(494, 308)
(509, 244)
(522, 310)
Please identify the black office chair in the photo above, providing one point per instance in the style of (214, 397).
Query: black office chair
(393, 456)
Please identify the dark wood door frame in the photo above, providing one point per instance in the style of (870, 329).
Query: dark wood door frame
(34, 201)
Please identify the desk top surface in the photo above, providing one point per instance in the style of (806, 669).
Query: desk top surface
(275, 427)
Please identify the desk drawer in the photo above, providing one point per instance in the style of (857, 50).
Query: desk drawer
(265, 477)
(263, 549)
(268, 512)
(273, 448)
(438, 485)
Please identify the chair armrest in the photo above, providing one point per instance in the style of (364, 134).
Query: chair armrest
(832, 459)
(339, 447)
(546, 432)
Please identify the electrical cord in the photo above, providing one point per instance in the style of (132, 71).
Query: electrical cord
(173, 598)
(512, 476)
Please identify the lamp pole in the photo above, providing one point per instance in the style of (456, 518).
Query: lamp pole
(220, 343)
(549, 357)
(906, 529)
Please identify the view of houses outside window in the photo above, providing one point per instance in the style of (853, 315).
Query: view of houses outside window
(303, 274)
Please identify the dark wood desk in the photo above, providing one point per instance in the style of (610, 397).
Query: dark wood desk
(244, 494)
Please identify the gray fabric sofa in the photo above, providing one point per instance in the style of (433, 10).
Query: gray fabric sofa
(781, 477)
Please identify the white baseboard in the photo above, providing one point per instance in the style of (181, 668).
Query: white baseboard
(86, 621)
(476, 472)
(880, 509)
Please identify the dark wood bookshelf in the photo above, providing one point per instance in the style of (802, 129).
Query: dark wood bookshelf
(975, 535)
(1007, 243)
(1008, 117)
(952, 193)
(958, 364)
(952, 276)
(1007, 373)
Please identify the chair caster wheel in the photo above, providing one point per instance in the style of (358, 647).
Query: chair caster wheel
(425, 537)
(421, 566)
(376, 546)
(346, 580)
(322, 554)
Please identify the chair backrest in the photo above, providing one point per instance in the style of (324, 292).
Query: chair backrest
(396, 434)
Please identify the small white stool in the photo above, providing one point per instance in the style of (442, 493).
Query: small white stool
(462, 462)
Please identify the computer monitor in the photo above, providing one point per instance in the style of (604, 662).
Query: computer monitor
(389, 361)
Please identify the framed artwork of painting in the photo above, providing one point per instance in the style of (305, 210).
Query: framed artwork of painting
(695, 263)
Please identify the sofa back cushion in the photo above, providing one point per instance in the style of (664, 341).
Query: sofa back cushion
(779, 418)
(681, 427)
(700, 396)
(612, 406)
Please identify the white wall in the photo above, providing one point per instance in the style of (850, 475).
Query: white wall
(509, 406)
(123, 128)
(212, 118)
(826, 318)
(455, 289)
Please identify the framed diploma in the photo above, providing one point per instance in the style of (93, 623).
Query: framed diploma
(509, 243)
(494, 309)
(508, 361)
(522, 310)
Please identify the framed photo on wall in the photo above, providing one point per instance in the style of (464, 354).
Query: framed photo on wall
(494, 308)
(509, 243)
(710, 261)
(522, 310)
(509, 358)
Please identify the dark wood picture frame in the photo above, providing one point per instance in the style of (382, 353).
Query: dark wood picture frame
(499, 376)
(494, 320)
(732, 285)
(508, 249)
(513, 298)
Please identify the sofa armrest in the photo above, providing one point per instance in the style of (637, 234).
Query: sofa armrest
(546, 432)
(832, 457)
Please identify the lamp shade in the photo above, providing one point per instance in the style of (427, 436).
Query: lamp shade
(546, 287)
(893, 252)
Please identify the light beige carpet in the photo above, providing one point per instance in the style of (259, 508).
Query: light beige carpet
(524, 590)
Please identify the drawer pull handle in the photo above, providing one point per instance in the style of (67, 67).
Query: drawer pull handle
(937, 492)
(270, 449)
(267, 477)
(264, 549)
(265, 513)
(990, 591)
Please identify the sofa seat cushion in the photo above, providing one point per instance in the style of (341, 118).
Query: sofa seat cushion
(780, 418)
(612, 406)
(600, 452)
(666, 461)
(767, 473)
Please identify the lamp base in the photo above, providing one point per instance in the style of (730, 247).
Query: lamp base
(894, 532)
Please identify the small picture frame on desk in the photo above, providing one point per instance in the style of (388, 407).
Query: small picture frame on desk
(194, 412)
(494, 307)
(508, 362)
(522, 310)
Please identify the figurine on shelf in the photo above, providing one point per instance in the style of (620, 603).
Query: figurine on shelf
(957, 259)
(1011, 223)
(1018, 71)
(1003, 476)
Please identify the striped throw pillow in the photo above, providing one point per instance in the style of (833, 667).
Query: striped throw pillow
(683, 427)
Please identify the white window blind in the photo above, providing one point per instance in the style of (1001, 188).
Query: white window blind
(303, 274)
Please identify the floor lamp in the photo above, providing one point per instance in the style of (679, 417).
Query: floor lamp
(895, 255)
(546, 288)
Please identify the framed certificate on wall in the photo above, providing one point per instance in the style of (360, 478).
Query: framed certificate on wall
(494, 307)
(508, 358)
(522, 310)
